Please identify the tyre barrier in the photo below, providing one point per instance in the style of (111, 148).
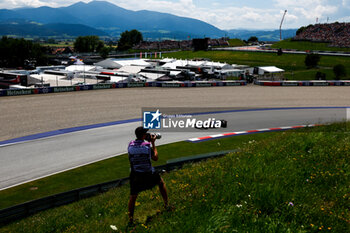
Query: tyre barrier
(45, 90)
(29, 208)
(303, 83)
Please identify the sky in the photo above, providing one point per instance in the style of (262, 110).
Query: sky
(227, 14)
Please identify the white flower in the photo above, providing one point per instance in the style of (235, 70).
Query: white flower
(239, 206)
(114, 228)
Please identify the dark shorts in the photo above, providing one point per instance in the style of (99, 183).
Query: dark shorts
(140, 181)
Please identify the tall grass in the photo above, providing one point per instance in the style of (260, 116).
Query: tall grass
(307, 45)
(236, 42)
(292, 182)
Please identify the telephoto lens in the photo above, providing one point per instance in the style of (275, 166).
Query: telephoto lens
(158, 135)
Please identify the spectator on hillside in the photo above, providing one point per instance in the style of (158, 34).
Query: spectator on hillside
(337, 34)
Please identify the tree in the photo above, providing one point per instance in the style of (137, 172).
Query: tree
(312, 60)
(339, 71)
(300, 30)
(280, 52)
(104, 52)
(320, 76)
(128, 39)
(19, 52)
(88, 44)
(253, 39)
(51, 41)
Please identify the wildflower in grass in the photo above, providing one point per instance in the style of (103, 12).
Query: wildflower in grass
(290, 203)
(114, 228)
(239, 205)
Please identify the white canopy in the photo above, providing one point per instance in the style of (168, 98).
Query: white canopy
(151, 76)
(131, 69)
(131, 62)
(80, 68)
(271, 69)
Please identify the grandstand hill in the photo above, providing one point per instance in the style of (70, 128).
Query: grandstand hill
(336, 34)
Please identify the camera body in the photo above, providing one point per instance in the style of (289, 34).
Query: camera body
(149, 136)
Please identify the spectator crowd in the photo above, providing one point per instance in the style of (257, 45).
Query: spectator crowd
(337, 34)
(173, 44)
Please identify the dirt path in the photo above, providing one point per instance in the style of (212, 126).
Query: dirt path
(25, 115)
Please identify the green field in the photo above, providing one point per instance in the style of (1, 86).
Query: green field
(236, 42)
(294, 181)
(306, 45)
(293, 64)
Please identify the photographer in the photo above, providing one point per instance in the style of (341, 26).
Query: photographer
(143, 175)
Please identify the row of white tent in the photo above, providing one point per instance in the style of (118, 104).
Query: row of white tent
(140, 69)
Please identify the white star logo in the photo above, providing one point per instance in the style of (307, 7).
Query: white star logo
(156, 115)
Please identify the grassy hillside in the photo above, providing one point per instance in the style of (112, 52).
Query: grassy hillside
(306, 45)
(293, 64)
(236, 42)
(295, 181)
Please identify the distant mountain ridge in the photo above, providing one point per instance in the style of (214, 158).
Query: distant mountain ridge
(263, 35)
(114, 20)
(23, 28)
(106, 19)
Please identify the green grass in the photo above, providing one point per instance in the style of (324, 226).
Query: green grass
(309, 74)
(236, 42)
(306, 45)
(288, 62)
(295, 181)
(59, 45)
(108, 170)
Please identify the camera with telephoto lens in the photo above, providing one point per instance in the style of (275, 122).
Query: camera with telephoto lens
(150, 135)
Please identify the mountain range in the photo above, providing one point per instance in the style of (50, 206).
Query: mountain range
(113, 20)
(263, 35)
(23, 28)
(103, 19)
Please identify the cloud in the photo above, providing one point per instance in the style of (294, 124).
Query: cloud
(10, 4)
(309, 9)
(346, 3)
(225, 18)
